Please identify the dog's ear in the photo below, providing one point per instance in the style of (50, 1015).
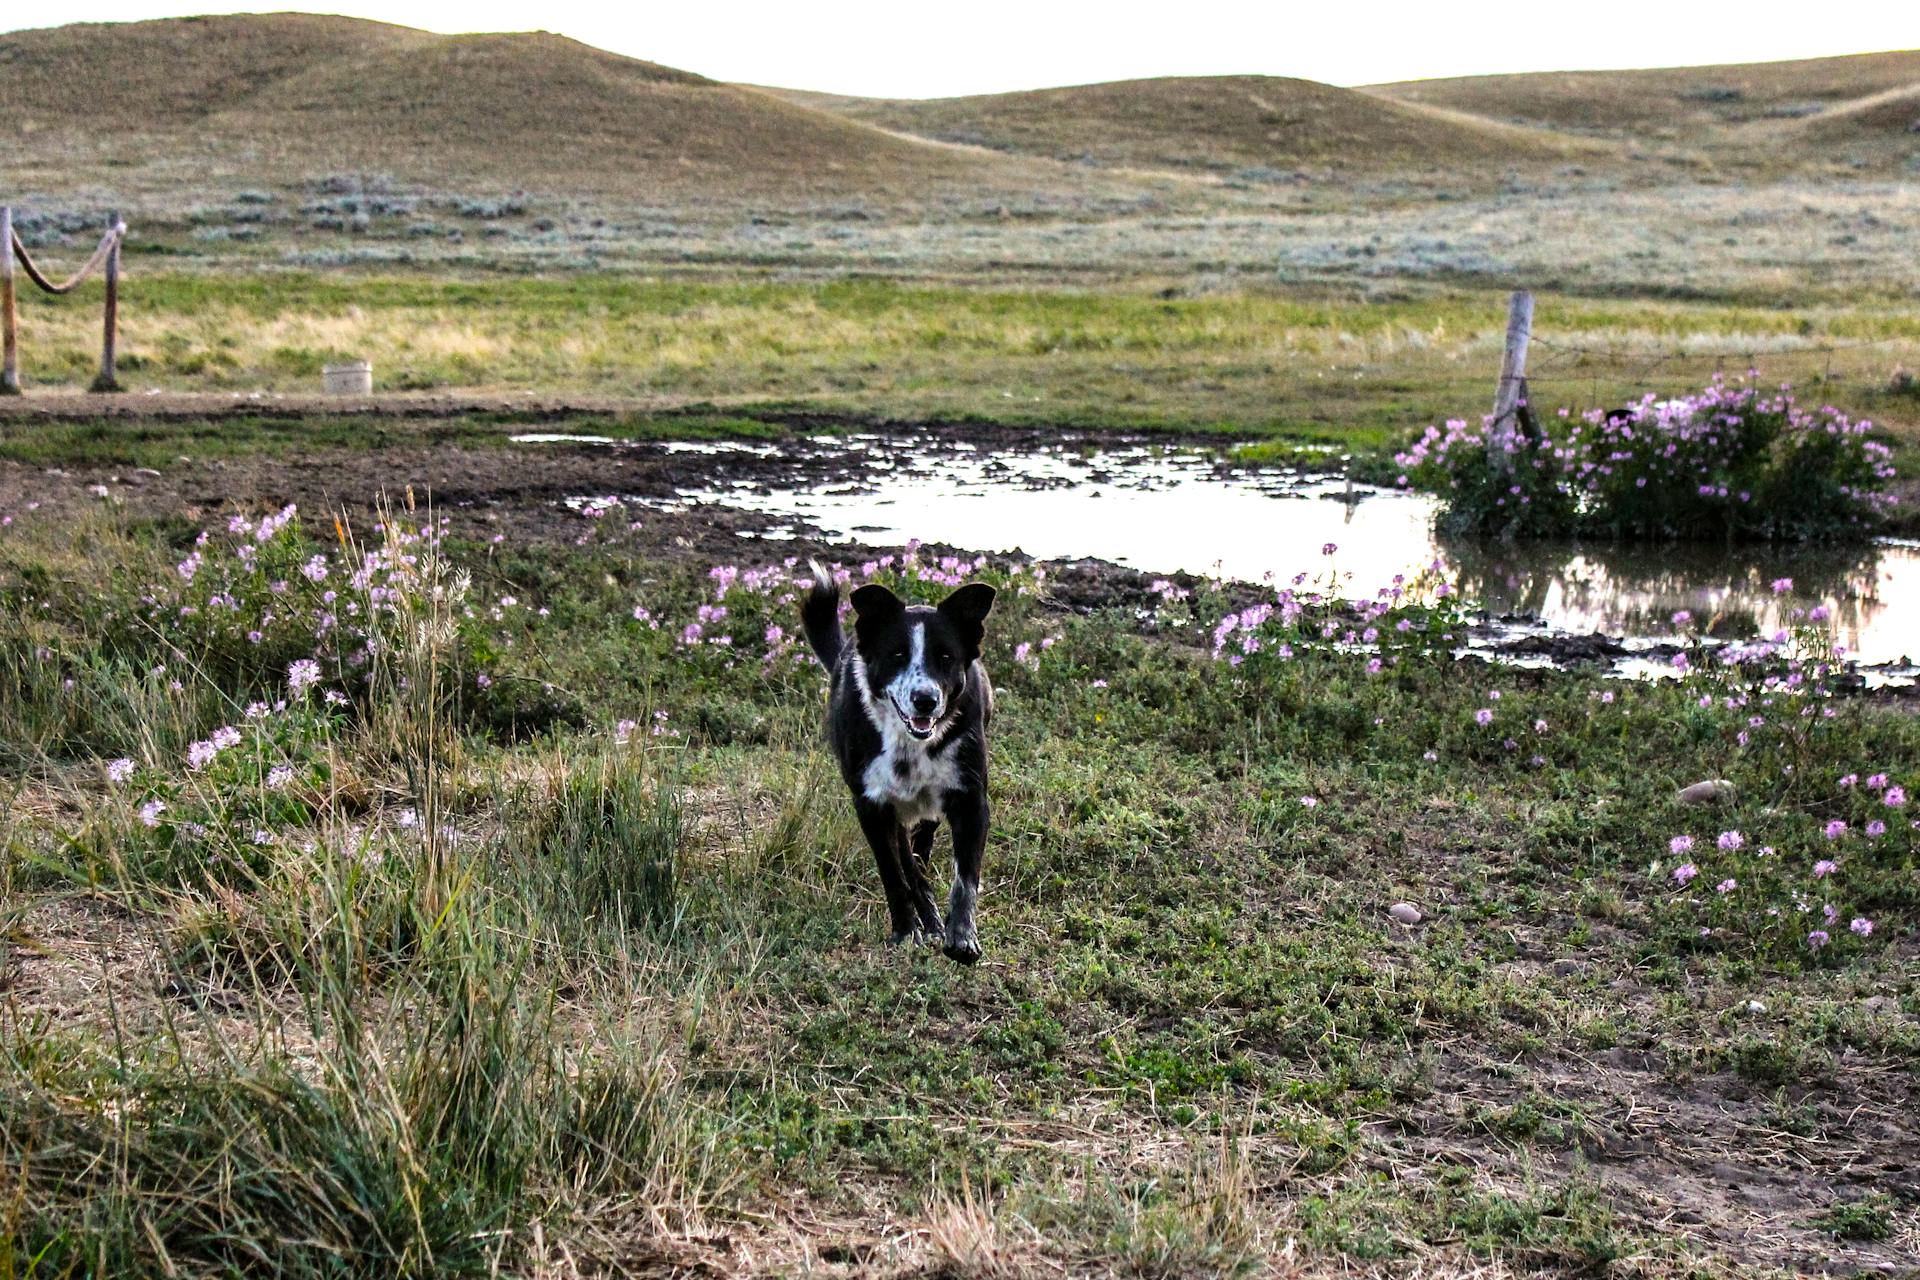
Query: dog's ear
(967, 609)
(874, 603)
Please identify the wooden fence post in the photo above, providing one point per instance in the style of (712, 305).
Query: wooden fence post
(110, 337)
(1512, 391)
(9, 318)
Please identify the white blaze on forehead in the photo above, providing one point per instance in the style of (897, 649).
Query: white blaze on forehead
(913, 678)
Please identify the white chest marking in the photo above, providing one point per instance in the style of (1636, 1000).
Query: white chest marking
(906, 773)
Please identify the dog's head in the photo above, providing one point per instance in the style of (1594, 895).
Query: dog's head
(916, 657)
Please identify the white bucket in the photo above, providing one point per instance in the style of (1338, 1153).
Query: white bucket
(354, 379)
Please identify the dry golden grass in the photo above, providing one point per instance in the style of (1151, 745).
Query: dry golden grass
(1665, 100)
(1808, 111)
(1210, 123)
(288, 97)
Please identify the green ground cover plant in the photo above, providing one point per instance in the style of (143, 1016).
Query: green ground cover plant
(399, 988)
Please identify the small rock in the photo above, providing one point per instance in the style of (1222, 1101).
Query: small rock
(1712, 791)
(1405, 913)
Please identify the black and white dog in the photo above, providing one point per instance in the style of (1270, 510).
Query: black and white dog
(907, 721)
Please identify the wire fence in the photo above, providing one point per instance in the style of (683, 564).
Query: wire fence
(13, 253)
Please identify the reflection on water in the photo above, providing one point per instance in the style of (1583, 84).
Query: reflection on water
(1159, 510)
(1871, 593)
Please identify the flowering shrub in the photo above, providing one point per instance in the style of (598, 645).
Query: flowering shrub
(223, 810)
(255, 602)
(1727, 462)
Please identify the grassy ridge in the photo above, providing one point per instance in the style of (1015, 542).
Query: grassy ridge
(1213, 123)
(285, 97)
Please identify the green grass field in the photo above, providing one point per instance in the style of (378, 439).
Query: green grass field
(551, 949)
(1325, 364)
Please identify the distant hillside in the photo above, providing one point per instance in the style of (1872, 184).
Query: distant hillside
(1207, 123)
(1672, 103)
(178, 111)
(288, 96)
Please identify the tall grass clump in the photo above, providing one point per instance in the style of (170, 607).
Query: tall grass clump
(436, 1108)
(400, 1097)
(1728, 462)
(596, 844)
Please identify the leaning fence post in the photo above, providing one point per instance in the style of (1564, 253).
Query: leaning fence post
(109, 338)
(1507, 397)
(9, 318)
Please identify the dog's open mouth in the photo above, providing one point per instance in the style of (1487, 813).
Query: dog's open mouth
(918, 726)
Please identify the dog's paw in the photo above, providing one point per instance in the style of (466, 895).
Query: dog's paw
(963, 949)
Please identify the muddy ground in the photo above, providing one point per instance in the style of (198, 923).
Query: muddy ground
(522, 492)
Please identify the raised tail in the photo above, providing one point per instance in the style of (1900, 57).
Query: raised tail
(820, 616)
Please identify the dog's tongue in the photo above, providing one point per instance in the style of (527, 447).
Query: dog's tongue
(921, 724)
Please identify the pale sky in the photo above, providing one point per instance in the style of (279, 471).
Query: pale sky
(920, 50)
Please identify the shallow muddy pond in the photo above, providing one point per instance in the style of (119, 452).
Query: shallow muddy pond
(1164, 510)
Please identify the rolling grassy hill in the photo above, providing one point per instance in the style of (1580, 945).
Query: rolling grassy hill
(145, 107)
(289, 96)
(1886, 124)
(1738, 102)
(1209, 123)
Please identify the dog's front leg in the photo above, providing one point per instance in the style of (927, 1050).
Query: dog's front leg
(920, 848)
(883, 832)
(968, 822)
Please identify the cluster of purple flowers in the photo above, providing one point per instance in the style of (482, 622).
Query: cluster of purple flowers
(752, 607)
(1405, 615)
(1728, 458)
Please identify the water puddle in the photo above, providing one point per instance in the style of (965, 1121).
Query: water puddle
(1160, 510)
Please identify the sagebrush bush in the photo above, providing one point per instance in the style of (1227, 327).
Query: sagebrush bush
(1728, 462)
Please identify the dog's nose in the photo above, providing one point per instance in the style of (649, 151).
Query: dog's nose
(924, 702)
